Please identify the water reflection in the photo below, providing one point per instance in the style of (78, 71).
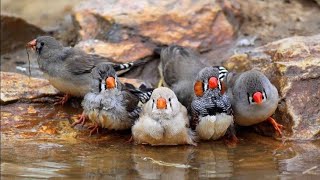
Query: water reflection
(31, 151)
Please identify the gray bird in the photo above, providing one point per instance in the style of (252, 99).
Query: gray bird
(254, 99)
(179, 67)
(211, 111)
(110, 104)
(163, 121)
(68, 69)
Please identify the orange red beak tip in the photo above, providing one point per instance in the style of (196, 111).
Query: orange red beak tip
(32, 44)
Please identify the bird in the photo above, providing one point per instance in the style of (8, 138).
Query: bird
(67, 68)
(179, 67)
(163, 121)
(254, 98)
(110, 104)
(211, 110)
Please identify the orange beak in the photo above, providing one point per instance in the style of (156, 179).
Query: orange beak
(161, 103)
(257, 97)
(110, 82)
(213, 83)
(32, 44)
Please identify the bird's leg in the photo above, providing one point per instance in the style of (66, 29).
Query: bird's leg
(93, 128)
(275, 125)
(161, 76)
(81, 120)
(62, 100)
(230, 137)
(130, 140)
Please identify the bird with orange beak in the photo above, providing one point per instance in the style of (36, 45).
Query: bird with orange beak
(68, 68)
(211, 109)
(110, 104)
(163, 121)
(254, 99)
(179, 67)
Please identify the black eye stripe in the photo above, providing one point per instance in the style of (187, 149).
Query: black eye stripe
(248, 95)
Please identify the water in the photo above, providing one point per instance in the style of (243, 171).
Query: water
(38, 142)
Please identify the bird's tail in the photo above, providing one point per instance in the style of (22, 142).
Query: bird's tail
(144, 93)
(125, 67)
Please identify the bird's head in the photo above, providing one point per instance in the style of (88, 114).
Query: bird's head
(207, 78)
(44, 44)
(163, 104)
(104, 78)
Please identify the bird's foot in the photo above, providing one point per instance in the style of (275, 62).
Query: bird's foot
(160, 82)
(275, 125)
(94, 128)
(231, 140)
(81, 120)
(62, 100)
(130, 140)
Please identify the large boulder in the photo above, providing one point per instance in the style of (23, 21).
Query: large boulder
(16, 87)
(16, 32)
(136, 27)
(293, 66)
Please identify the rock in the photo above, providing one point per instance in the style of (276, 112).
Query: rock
(16, 32)
(274, 20)
(293, 66)
(140, 26)
(16, 87)
(125, 51)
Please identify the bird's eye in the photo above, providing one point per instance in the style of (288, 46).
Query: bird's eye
(42, 43)
(169, 99)
(170, 102)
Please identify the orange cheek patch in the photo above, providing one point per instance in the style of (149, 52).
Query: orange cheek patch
(198, 88)
(110, 82)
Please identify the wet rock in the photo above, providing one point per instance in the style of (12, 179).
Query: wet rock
(293, 66)
(16, 32)
(16, 87)
(139, 26)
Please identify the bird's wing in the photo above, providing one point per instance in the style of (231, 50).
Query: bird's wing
(179, 63)
(194, 117)
(131, 100)
(78, 62)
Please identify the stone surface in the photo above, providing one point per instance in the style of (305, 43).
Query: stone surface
(273, 20)
(125, 51)
(16, 32)
(293, 65)
(18, 87)
(140, 26)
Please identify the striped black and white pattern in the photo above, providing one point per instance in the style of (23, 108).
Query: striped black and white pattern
(135, 113)
(222, 72)
(145, 96)
(125, 66)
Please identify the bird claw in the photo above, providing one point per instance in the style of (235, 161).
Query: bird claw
(81, 120)
(93, 128)
(62, 100)
(130, 140)
(278, 127)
